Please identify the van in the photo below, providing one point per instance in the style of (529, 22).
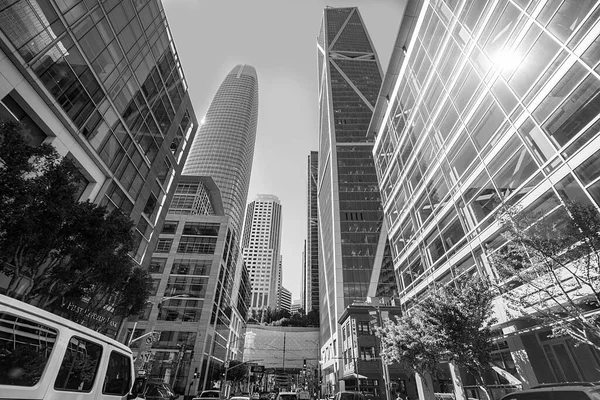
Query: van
(44, 356)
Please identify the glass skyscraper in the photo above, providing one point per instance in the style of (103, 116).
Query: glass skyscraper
(311, 257)
(224, 146)
(351, 227)
(485, 103)
(101, 81)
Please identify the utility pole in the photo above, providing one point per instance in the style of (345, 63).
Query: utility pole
(283, 356)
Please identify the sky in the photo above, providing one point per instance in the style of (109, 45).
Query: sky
(278, 38)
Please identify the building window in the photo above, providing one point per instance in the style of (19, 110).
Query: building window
(169, 227)
(197, 245)
(164, 245)
(363, 328)
(157, 265)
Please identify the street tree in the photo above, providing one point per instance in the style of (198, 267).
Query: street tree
(235, 373)
(549, 271)
(411, 341)
(460, 315)
(56, 249)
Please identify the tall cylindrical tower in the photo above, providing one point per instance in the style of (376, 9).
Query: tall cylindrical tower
(224, 145)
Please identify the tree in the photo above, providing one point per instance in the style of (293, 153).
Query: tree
(56, 249)
(453, 325)
(461, 316)
(237, 372)
(549, 270)
(411, 342)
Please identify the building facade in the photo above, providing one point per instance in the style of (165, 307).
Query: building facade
(484, 104)
(224, 146)
(284, 302)
(362, 366)
(296, 307)
(261, 244)
(311, 251)
(201, 292)
(101, 81)
(352, 232)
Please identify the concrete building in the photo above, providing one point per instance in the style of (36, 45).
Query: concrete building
(224, 146)
(102, 83)
(486, 103)
(202, 291)
(284, 302)
(261, 245)
(354, 262)
(310, 276)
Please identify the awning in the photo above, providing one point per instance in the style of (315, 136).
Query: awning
(352, 375)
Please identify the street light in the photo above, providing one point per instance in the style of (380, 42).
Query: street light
(131, 340)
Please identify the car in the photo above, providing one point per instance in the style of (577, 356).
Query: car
(239, 397)
(287, 396)
(208, 394)
(349, 395)
(153, 390)
(558, 391)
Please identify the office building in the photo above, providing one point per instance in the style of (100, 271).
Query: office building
(486, 103)
(224, 146)
(261, 244)
(311, 246)
(296, 307)
(284, 301)
(352, 232)
(102, 82)
(202, 291)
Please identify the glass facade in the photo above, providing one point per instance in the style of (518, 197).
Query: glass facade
(496, 102)
(350, 215)
(113, 76)
(224, 146)
(311, 273)
(261, 248)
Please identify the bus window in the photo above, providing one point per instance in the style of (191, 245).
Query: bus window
(25, 348)
(118, 375)
(79, 366)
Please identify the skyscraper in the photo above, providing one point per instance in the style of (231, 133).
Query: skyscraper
(261, 250)
(486, 103)
(352, 232)
(311, 251)
(224, 146)
(101, 81)
(202, 294)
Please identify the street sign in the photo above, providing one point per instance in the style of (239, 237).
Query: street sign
(227, 364)
(142, 372)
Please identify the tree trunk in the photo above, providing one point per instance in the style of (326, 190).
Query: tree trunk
(424, 386)
(459, 390)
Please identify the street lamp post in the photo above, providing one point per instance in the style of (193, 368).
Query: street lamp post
(142, 350)
(131, 339)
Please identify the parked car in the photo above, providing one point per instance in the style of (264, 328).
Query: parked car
(558, 391)
(208, 395)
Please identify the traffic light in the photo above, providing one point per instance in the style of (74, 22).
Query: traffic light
(305, 363)
(195, 373)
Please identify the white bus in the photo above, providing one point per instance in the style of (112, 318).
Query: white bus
(44, 356)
